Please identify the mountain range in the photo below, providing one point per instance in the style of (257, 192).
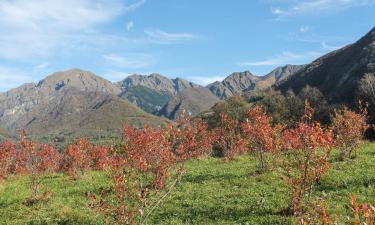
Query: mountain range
(79, 103)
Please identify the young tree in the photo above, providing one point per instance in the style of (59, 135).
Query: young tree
(349, 128)
(227, 138)
(189, 139)
(306, 160)
(99, 156)
(148, 168)
(76, 158)
(7, 158)
(36, 159)
(261, 136)
(144, 173)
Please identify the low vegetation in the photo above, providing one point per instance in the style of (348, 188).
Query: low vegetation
(270, 173)
(212, 191)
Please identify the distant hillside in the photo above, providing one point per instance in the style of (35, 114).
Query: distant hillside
(191, 100)
(70, 103)
(239, 83)
(234, 84)
(337, 74)
(278, 75)
(156, 82)
(146, 98)
(152, 92)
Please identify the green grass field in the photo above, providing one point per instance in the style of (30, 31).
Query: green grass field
(211, 192)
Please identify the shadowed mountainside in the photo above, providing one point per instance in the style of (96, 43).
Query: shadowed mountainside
(337, 74)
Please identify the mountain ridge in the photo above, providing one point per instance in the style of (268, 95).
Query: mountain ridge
(337, 73)
(70, 103)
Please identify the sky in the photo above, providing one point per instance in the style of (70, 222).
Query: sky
(198, 40)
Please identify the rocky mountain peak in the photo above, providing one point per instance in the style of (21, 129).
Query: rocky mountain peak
(78, 79)
(234, 84)
(156, 82)
(241, 82)
(282, 72)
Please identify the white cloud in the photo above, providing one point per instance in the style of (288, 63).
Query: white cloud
(205, 80)
(285, 58)
(129, 25)
(304, 29)
(115, 76)
(41, 66)
(35, 28)
(162, 37)
(10, 78)
(335, 42)
(314, 6)
(131, 61)
(134, 5)
(328, 47)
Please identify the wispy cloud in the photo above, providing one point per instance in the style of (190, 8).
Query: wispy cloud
(115, 76)
(53, 24)
(131, 61)
(163, 37)
(41, 66)
(134, 5)
(285, 58)
(205, 80)
(328, 47)
(304, 29)
(305, 7)
(10, 78)
(129, 25)
(326, 43)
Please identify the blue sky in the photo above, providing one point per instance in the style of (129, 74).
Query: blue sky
(199, 40)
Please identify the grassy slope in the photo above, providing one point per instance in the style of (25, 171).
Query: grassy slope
(4, 134)
(147, 99)
(212, 192)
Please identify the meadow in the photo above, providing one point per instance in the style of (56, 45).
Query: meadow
(212, 191)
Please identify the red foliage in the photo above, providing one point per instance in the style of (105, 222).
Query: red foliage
(149, 167)
(28, 157)
(228, 138)
(76, 159)
(82, 156)
(261, 136)
(189, 139)
(7, 158)
(49, 157)
(140, 171)
(349, 128)
(364, 214)
(307, 160)
(148, 151)
(100, 157)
